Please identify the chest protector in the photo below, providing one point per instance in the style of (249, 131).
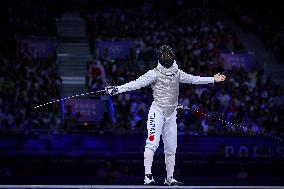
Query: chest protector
(166, 91)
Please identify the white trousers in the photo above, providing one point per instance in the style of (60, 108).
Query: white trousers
(157, 125)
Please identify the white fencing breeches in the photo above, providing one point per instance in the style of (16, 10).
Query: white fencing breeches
(157, 125)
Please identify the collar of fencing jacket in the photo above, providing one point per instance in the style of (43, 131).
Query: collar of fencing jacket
(168, 71)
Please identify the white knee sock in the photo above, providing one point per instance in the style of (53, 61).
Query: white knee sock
(148, 160)
(170, 164)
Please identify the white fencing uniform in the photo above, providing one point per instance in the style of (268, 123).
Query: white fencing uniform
(162, 114)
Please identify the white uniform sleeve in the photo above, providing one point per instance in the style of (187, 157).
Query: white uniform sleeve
(142, 81)
(188, 78)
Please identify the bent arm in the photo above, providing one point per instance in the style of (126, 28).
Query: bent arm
(142, 81)
(188, 78)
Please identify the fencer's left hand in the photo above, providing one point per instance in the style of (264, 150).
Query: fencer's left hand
(219, 78)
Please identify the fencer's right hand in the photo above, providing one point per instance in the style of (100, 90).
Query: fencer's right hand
(111, 90)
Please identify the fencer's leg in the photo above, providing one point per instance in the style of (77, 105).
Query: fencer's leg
(155, 124)
(170, 143)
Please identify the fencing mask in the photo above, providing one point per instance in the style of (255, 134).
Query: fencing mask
(166, 56)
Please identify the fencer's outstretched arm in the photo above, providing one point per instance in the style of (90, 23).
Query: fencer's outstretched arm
(188, 78)
(140, 82)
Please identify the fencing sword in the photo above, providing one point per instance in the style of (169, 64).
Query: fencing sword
(69, 97)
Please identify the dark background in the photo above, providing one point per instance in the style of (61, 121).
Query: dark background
(52, 145)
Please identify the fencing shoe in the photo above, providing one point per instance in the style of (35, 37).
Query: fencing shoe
(149, 180)
(172, 182)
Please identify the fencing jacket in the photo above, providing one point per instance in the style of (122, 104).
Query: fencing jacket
(165, 85)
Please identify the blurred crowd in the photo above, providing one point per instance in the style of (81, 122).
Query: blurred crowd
(264, 19)
(26, 80)
(197, 35)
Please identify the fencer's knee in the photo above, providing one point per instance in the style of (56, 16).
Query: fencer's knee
(152, 146)
(170, 150)
(149, 150)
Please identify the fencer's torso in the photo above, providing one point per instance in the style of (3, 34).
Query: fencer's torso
(166, 90)
(165, 85)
